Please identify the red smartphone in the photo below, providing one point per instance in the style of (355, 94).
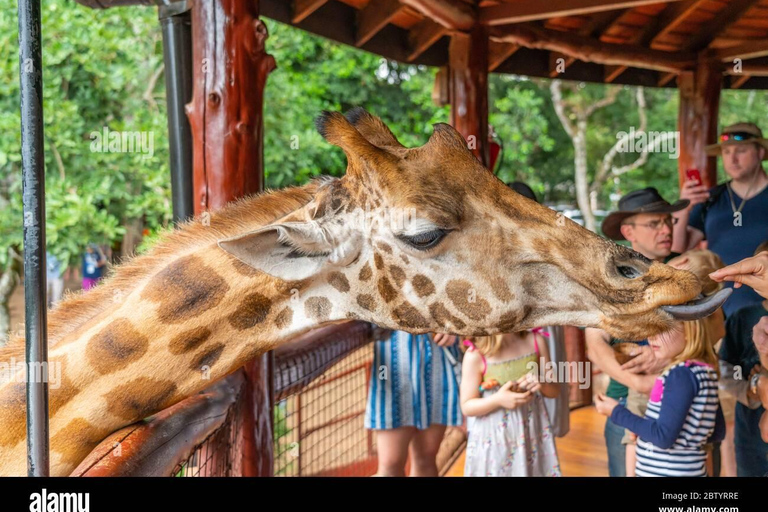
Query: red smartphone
(693, 175)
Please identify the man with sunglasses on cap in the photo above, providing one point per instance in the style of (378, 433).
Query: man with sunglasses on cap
(645, 220)
(732, 217)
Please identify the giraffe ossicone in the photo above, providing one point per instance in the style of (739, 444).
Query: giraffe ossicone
(463, 253)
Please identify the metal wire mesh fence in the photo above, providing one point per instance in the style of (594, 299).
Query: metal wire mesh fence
(321, 391)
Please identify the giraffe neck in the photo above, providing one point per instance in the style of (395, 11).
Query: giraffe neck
(160, 338)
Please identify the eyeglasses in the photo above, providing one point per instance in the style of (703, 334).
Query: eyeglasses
(656, 224)
(738, 136)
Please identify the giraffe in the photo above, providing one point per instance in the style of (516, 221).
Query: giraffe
(419, 239)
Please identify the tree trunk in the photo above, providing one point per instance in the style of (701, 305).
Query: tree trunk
(9, 279)
(582, 185)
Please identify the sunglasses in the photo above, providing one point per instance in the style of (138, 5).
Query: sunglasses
(738, 136)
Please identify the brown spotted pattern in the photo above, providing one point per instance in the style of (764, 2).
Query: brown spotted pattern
(386, 290)
(139, 398)
(423, 285)
(365, 272)
(466, 300)
(185, 289)
(251, 311)
(442, 316)
(318, 308)
(408, 317)
(366, 301)
(13, 413)
(398, 275)
(339, 281)
(76, 439)
(283, 318)
(115, 347)
(208, 358)
(189, 340)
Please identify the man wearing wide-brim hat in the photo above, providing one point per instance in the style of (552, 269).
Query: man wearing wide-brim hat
(732, 217)
(644, 218)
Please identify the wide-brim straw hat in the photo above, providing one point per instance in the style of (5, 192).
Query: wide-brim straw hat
(739, 134)
(647, 200)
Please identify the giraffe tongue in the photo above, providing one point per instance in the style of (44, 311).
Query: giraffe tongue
(699, 308)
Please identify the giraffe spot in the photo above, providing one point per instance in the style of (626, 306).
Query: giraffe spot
(465, 298)
(76, 440)
(207, 358)
(509, 321)
(378, 261)
(384, 247)
(318, 308)
(242, 268)
(62, 395)
(13, 413)
(365, 272)
(185, 289)
(283, 318)
(422, 285)
(404, 258)
(366, 301)
(253, 309)
(442, 316)
(189, 340)
(501, 289)
(139, 398)
(409, 317)
(386, 290)
(115, 347)
(398, 274)
(339, 281)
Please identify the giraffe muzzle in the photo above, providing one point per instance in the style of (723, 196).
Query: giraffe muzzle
(700, 307)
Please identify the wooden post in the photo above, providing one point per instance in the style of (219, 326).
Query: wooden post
(468, 88)
(230, 67)
(697, 119)
(576, 351)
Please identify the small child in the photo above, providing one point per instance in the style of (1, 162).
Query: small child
(501, 395)
(683, 413)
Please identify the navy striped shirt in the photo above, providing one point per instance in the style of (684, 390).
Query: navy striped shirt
(683, 414)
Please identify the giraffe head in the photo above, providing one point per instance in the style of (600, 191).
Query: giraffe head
(427, 239)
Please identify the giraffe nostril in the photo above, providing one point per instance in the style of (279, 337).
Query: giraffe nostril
(628, 272)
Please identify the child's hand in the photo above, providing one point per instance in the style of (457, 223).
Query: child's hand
(528, 382)
(509, 399)
(605, 405)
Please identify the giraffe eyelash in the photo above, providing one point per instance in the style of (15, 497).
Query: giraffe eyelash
(426, 240)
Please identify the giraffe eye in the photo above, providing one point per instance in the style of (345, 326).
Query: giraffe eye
(424, 241)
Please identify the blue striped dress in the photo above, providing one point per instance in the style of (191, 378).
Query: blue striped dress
(413, 383)
(683, 415)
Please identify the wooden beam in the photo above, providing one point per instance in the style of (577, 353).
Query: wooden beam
(600, 23)
(613, 72)
(530, 10)
(711, 30)
(669, 19)
(697, 119)
(303, 8)
(453, 14)
(558, 63)
(591, 50)
(422, 36)
(374, 17)
(499, 52)
(742, 51)
(666, 78)
(748, 69)
(739, 81)
(468, 88)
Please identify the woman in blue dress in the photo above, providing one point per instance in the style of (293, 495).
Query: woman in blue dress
(412, 397)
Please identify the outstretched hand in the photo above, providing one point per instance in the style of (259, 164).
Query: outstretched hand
(752, 272)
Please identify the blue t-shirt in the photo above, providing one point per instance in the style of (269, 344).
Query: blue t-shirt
(90, 270)
(734, 243)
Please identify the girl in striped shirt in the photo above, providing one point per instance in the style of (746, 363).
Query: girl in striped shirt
(684, 411)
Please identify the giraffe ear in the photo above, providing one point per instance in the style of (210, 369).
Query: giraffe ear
(292, 251)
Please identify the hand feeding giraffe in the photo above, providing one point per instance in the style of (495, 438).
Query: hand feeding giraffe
(464, 254)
